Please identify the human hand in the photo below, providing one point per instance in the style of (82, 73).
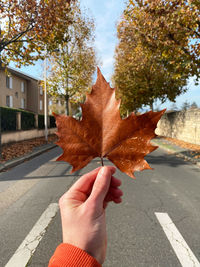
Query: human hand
(83, 210)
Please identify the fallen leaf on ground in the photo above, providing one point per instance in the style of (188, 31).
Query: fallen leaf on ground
(18, 149)
(103, 133)
(183, 144)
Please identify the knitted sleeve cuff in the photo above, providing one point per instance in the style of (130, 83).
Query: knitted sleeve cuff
(67, 255)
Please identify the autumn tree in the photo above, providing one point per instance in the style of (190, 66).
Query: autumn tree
(174, 107)
(73, 66)
(185, 105)
(171, 27)
(194, 105)
(140, 74)
(30, 27)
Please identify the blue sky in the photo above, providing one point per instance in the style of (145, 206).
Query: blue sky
(106, 14)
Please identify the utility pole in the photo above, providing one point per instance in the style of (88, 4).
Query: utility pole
(45, 98)
(45, 95)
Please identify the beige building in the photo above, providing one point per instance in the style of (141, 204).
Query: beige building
(19, 90)
(57, 105)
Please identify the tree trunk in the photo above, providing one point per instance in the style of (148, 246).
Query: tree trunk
(67, 104)
(151, 105)
(66, 92)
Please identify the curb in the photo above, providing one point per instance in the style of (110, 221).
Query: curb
(31, 155)
(178, 154)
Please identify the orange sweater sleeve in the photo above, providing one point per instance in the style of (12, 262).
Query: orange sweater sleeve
(67, 255)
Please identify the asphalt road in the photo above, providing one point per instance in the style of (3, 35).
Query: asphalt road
(135, 236)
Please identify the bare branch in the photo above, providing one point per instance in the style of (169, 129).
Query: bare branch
(15, 51)
(17, 37)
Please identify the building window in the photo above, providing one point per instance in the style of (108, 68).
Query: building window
(16, 94)
(41, 90)
(9, 82)
(22, 103)
(9, 101)
(22, 87)
(40, 104)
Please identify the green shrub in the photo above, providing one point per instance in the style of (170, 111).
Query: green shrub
(27, 120)
(8, 119)
(40, 121)
(52, 122)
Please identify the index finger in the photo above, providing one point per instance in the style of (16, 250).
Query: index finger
(85, 182)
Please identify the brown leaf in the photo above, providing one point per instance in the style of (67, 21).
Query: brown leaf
(102, 132)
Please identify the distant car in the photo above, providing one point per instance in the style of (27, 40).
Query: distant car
(78, 116)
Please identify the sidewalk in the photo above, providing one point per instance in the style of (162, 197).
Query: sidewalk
(16, 153)
(36, 151)
(189, 154)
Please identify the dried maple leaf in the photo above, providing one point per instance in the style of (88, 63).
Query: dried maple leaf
(102, 132)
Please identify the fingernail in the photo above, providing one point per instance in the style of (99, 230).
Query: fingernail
(102, 171)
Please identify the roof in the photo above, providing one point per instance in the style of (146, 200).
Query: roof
(21, 74)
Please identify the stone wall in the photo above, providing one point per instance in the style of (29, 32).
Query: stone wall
(183, 125)
(24, 135)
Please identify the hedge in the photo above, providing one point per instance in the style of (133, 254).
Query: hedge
(27, 120)
(8, 119)
(40, 121)
(52, 122)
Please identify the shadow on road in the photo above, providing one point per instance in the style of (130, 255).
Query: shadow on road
(168, 160)
(21, 171)
(24, 170)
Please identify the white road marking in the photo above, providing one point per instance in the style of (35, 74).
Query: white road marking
(25, 251)
(54, 159)
(182, 250)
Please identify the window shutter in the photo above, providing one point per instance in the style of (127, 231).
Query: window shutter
(41, 90)
(22, 87)
(7, 101)
(7, 81)
(22, 103)
(40, 104)
(11, 101)
(10, 83)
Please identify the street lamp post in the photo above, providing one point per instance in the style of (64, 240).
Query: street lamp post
(45, 99)
(45, 95)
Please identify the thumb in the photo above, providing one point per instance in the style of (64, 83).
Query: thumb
(101, 186)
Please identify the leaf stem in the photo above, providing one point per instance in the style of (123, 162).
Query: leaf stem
(102, 161)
